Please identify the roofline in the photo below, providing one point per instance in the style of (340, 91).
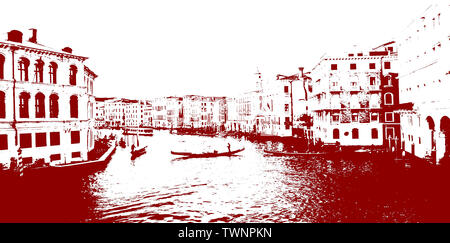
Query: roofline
(33, 49)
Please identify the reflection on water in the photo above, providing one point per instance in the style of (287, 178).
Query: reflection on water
(250, 187)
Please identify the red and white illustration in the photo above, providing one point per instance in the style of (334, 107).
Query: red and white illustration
(255, 112)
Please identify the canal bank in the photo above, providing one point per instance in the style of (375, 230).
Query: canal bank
(250, 187)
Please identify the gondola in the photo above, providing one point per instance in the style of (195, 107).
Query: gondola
(138, 152)
(208, 154)
(122, 143)
(74, 168)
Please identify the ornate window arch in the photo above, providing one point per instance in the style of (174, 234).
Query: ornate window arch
(73, 75)
(40, 105)
(2, 66)
(389, 99)
(39, 71)
(24, 98)
(54, 107)
(336, 133)
(2, 105)
(24, 63)
(73, 106)
(52, 71)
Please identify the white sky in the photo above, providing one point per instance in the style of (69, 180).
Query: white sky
(152, 48)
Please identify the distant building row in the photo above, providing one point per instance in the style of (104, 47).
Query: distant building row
(190, 111)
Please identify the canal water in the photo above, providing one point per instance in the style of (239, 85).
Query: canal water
(249, 187)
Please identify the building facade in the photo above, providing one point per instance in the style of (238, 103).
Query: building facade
(351, 97)
(46, 102)
(424, 83)
(266, 111)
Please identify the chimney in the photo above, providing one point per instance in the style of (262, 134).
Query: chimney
(67, 49)
(15, 35)
(33, 37)
(301, 70)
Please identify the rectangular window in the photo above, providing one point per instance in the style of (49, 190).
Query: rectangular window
(25, 140)
(55, 157)
(355, 117)
(333, 66)
(76, 154)
(286, 89)
(3, 141)
(372, 65)
(287, 122)
(54, 138)
(286, 107)
(374, 133)
(372, 80)
(75, 137)
(374, 117)
(41, 139)
(352, 66)
(390, 132)
(389, 117)
(355, 133)
(336, 118)
(387, 65)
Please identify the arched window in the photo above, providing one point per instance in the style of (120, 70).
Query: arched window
(374, 133)
(2, 67)
(73, 75)
(355, 133)
(23, 68)
(54, 108)
(2, 105)
(39, 71)
(40, 105)
(73, 106)
(335, 133)
(52, 68)
(388, 99)
(23, 105)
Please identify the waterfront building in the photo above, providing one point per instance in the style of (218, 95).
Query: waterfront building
(352, 96)
(424, 83)
(115, 113)
(147, 113)
(203, 112)
(121, 112)
(265, 111)
(99, 112)
(159, 112)
(46, 102)
(174, 108)
(133, 113)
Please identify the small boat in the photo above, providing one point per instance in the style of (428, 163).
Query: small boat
(73, 168)
(138, 152)
(207, 154)
(122, 143)
(144, 131)
(278, 153)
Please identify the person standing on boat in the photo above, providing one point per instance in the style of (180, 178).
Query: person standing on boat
(229, 147)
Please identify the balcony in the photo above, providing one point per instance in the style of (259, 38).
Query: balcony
(374, 88)
(336, 89)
